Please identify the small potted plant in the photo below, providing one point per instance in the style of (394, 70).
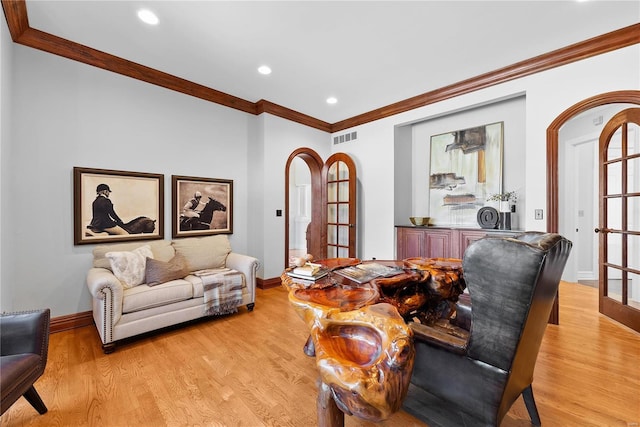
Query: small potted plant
(507, 205)
(506, 200)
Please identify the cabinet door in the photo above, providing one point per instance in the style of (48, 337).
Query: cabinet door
(410, 243)
(465, 238)
(438, 244)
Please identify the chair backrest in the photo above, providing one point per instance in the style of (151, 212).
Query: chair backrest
(25, 332)
(512, 283)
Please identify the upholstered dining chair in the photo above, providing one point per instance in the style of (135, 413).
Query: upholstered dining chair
(24, 347)
(469, 372)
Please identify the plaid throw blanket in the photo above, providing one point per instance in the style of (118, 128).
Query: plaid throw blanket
(222, 291)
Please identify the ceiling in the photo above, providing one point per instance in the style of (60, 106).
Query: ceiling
(367, 54)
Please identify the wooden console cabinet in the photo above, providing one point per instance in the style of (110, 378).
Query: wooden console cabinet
(439, 242)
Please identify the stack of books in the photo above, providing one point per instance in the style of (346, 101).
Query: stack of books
(309, 271)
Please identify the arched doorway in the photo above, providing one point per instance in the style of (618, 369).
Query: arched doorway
(330, 224)
(623, 97)
(314, 163)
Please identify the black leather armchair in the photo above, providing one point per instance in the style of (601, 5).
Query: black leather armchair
(24, 346)
(469, 372)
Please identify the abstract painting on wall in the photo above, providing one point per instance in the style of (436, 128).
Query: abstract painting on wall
(465, 168)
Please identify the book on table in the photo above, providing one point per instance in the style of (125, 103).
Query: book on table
(309, 271)
(366, 272)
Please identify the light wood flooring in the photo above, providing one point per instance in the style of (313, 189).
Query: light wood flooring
(248, 369)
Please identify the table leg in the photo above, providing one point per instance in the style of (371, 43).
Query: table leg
(329, 415)
(309, 347)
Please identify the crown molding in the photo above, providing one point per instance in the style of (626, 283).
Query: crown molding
(595, 46)
(18, 22)
(264, 106)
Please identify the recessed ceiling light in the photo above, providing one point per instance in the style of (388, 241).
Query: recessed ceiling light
(332, 100)
(264, 70)
(147, 17)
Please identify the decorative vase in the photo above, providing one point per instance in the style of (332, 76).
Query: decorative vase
(505, 221)
(505, 215)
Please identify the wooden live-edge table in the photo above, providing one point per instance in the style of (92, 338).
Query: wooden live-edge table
(330, 291)
(358, 332)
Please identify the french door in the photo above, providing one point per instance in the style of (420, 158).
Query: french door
(339, 195)
(619, 227)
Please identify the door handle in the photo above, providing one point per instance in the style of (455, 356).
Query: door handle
(601, 230)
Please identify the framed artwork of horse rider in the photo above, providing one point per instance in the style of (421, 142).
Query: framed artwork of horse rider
(201, 206)
(117, 206)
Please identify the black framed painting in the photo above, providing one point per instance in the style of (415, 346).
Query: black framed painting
(201, 206)
(116, 206)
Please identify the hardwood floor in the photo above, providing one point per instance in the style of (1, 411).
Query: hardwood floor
(248, 369)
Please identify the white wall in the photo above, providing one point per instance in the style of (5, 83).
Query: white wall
(511, 112)
(68, 114)
(547, 95)
(6, 291)
(373, 155)
(281, 138)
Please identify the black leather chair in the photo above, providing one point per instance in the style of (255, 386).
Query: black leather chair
(469, 372)
(24, 346)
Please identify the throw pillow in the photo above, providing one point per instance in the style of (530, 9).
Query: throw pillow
(203, 253)
(162, 249)
(157, 272)
(129, 267)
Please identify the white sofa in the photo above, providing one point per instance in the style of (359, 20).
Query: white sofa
(122, 309)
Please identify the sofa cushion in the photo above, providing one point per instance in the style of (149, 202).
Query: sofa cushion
(162, 250)
(129, 267)
(157, 272)
(143, 296)
(203, 253)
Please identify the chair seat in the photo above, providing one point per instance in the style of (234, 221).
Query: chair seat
(18, 369)
(24, 346)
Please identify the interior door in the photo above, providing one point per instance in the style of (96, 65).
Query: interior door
(619, 226)
(339, 195)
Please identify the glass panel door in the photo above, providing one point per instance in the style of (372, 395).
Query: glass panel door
(620, 218)
(340, 192)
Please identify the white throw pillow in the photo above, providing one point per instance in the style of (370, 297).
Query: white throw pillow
(129, 267)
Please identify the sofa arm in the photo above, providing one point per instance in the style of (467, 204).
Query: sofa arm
(101, 279)
(247, 265)
(107, 293)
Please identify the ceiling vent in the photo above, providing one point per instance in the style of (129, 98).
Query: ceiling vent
(339, 139)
